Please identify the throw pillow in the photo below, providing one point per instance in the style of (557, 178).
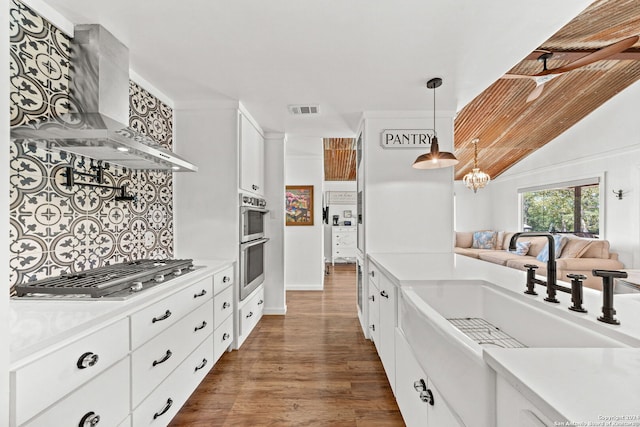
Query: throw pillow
(558, 244)
(575, 247)
(521, 248)
(484, 239)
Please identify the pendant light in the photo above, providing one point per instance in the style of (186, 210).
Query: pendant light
(435, 159)
(476, 178)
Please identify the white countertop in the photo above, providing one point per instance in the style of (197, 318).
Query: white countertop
(580, 385)
(575, 384)
(39, 325)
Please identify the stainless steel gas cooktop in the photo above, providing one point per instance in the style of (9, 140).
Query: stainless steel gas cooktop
(111, 282)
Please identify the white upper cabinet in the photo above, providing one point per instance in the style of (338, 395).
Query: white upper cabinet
(251, 157)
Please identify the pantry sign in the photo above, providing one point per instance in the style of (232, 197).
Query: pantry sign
(407, 138)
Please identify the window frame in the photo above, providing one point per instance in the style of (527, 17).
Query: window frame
(599, 179)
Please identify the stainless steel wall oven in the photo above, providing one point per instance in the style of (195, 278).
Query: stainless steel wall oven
(252, 243)
(252, 218)
(251, 266)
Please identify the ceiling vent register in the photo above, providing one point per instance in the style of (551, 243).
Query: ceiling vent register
(304, 110)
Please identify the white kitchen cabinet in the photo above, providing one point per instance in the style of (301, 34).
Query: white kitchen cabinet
(387, 326)
(251, 157)
(250, 313)
(343, 243)
(165, 401)
(374, 309)
(513, 409)
(66, 369)
(420, 402)
(87, 404)
(156, 359)
(222, 312)
(129, 369)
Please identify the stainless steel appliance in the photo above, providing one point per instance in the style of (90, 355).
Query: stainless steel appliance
(251, 266)
(252, 218)
(111, 282)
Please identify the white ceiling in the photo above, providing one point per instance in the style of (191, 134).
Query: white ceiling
(349, 56)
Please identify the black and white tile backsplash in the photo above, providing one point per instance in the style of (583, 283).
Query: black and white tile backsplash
(54, 228)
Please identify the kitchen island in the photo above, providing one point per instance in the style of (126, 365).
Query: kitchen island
(533, 386)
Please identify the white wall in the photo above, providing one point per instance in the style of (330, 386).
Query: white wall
(206, 202)
(274, 285)
(304, 264)
(406, 209)
(605, 143)
(473, 211)
(4, 213)
(337, 210)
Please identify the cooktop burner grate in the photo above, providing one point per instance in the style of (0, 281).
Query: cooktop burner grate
(105, 281)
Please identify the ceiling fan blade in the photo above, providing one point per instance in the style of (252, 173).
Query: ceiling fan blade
(598, 55)
(536, 92)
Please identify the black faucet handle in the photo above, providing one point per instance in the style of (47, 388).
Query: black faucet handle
(610, 273)
(531, 275)
(608, 312)
(576, 292)
(531, 266)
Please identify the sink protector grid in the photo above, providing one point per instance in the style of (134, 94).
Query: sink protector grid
(484, 333)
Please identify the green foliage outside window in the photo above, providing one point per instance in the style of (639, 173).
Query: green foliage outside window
(555, 210)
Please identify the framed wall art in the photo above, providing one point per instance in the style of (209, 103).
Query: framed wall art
(299, 204)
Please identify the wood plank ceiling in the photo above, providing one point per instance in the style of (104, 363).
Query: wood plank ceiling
(339, 159)
(509, 128)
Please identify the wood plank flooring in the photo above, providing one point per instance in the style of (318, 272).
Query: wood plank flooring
(312, 367)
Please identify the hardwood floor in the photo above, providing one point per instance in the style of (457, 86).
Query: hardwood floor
(312, 367)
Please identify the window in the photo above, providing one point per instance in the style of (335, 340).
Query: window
(572, 207)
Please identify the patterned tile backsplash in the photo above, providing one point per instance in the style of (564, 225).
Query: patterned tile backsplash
(54, 228)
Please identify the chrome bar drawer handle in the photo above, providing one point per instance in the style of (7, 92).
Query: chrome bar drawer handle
(87, 360)
(226, 279)
(202, 365)
(201, 294)
(164, 359)
(164, 410)
(165, 316)
(250, 314)
(197, 328)
(225, 336)
(225, 305)
(90, 419)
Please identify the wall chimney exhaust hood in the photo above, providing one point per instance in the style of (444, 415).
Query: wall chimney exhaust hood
(99, 108)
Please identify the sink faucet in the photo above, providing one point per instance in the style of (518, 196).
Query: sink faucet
(551, 284)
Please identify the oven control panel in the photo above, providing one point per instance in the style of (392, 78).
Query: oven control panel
(246, 200)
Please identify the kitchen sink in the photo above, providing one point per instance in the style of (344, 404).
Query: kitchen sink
(448, 323)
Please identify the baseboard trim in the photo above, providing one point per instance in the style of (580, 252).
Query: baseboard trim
(304, 288)
(275, 311)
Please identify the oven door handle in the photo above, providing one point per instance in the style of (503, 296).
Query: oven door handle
(252, 209)
(254, 243)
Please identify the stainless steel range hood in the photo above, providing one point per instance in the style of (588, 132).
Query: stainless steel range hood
(99, 94)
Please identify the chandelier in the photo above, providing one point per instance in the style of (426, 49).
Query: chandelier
(476, 178)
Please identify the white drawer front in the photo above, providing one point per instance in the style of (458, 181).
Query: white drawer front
(59, 371)
(152, 320)
(105, 398)
(152, 362)
(126, 422)
(222, 279)
(251, 313)
(223, 306)
(222, 338)
(163, 404)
